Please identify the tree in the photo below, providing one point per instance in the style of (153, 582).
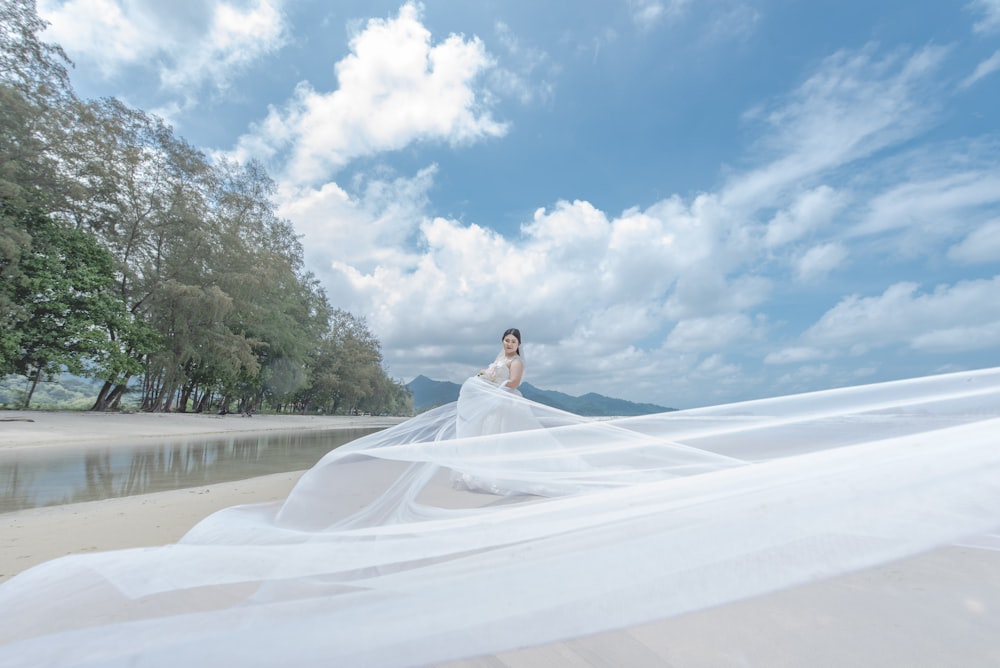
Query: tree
(210, 296)
(37, 108)
(347, 374)
(36, 68)
(64, 297)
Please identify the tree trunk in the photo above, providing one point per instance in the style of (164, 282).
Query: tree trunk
(115, 400)
(203, 403)
(170, 396)
(101, 403)
(185, 396)
(163, 399)
(34, 384)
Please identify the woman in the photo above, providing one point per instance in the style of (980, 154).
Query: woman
(489, 402)
(508, 368)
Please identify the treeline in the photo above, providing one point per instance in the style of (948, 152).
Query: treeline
(126, 255)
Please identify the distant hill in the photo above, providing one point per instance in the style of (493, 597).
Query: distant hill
(429, 393)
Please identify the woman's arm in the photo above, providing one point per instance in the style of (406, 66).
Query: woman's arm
(516, 372)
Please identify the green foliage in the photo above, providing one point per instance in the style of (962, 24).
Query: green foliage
(347, 373)
(127, 255)
(63, 301)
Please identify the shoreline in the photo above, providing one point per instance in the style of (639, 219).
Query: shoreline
(28, 428)
(35, 535)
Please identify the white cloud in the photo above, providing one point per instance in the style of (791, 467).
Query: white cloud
(927, 211)
(189, 45)
(84, 28)
(234, 39)
(983, 70)
(709, 334)
(812, 210)
(647, 14)
(395, 88)
(989, 11)
(522, 84)
(679, 274)
(735, 22)
(796, 355)
(658, 301)
(960, 339)
(573, 279)
(370, 230)
(854, 106)
(963, 316)
(981, 245)
(820, 260)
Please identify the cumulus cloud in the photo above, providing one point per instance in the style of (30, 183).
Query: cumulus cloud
(810, 211)
(709, 334)
(396, 87)
(681, 275)
(963, 316)
(367, 229)
(235, 37)
(189, 45)
(82, 28)
(662, 298)
(820, 260)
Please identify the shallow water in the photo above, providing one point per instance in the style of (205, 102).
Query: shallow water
(31, 478)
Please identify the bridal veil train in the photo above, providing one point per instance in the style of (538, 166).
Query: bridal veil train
(495, 523)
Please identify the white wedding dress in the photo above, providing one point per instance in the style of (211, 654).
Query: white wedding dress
(376, 559)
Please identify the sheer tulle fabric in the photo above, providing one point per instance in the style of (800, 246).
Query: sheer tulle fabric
(495, 522)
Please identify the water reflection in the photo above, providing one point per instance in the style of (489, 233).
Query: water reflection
(31, 478)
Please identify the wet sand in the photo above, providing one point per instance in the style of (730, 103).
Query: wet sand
(31, 429)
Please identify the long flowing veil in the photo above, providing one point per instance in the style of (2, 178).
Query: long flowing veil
(495, 522)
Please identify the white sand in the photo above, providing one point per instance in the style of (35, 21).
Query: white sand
(19, 429)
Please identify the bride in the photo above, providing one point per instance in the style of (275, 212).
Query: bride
(488, 402)
(382, 556)
(508, 368)
(489, 408)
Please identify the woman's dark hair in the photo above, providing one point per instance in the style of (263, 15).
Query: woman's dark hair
(517, 335)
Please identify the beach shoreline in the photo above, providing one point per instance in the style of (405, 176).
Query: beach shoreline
(33, 536)
(42, 428)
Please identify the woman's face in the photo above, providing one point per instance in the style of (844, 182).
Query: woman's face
(510, 344)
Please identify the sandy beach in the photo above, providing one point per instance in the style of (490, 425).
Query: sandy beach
(36, 535)
(937, 609)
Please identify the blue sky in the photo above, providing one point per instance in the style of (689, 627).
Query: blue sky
(686, 203)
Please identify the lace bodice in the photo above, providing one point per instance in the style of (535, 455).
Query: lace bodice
(499, 370)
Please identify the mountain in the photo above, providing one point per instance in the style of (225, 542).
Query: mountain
(429, 393)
